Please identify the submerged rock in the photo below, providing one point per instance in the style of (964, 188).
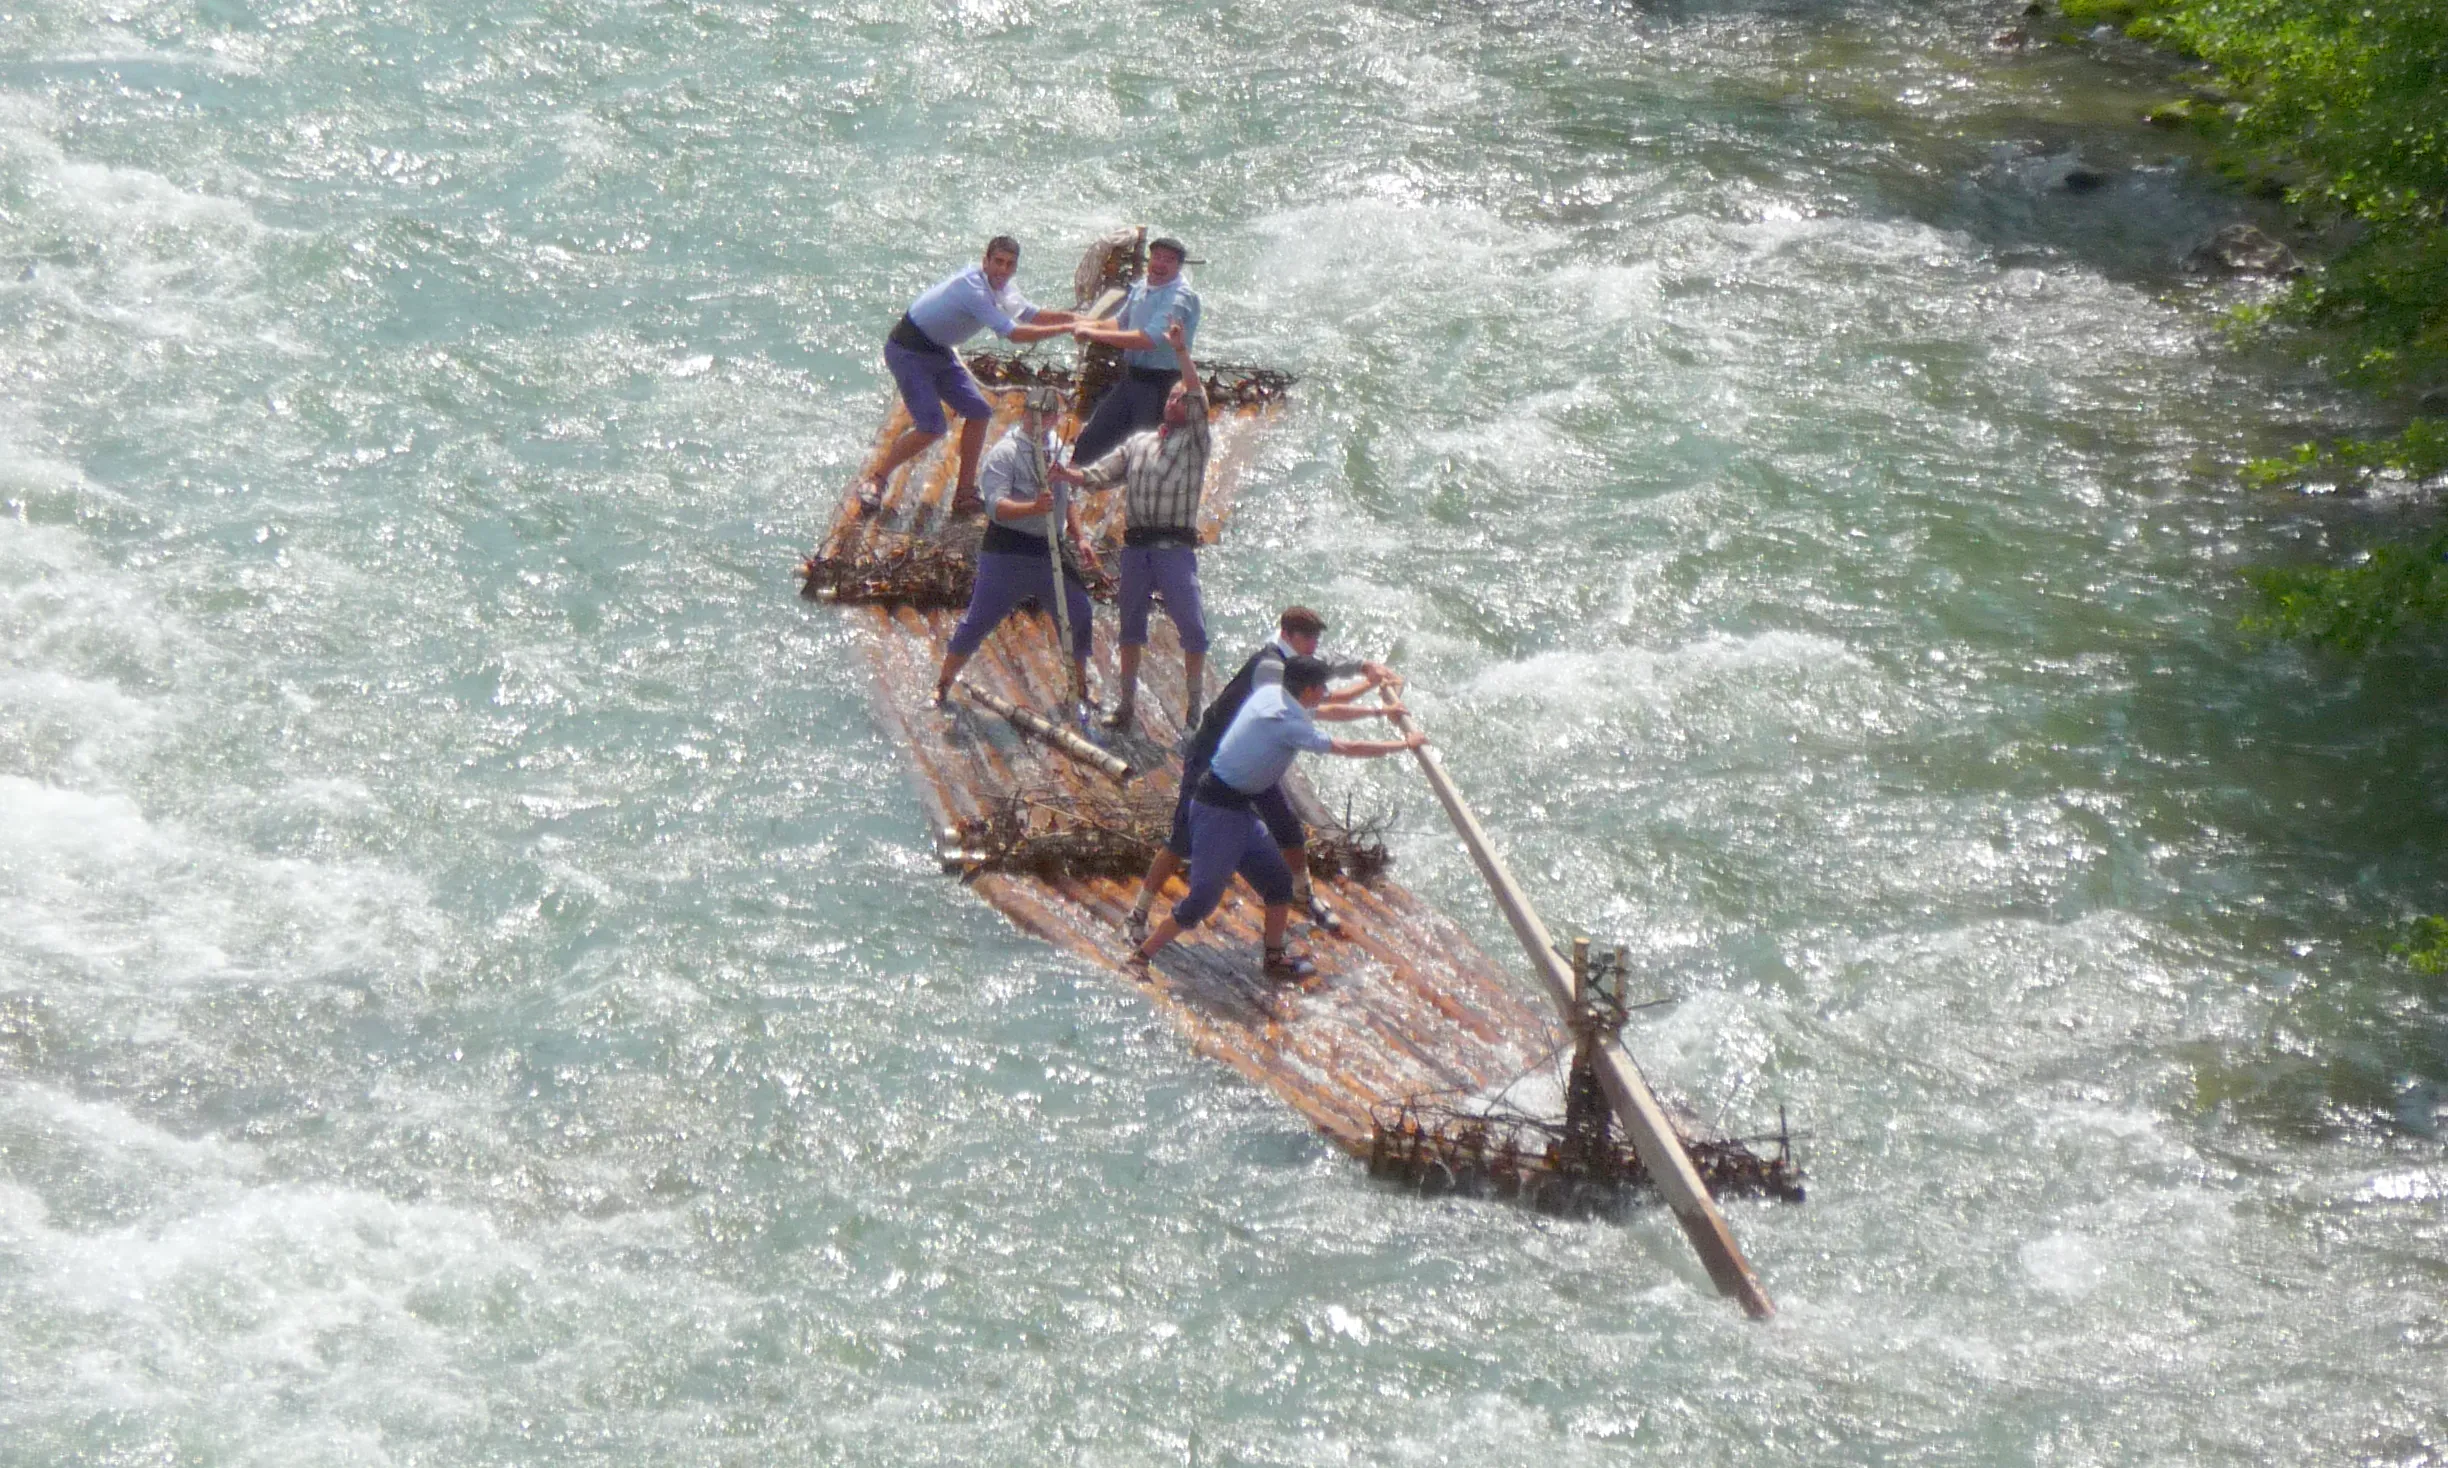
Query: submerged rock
(2241, 249)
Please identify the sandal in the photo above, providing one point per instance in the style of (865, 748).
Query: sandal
(870, 497)
(1324, 916)
(1122, 717)
(1136, 925)
(1283, 966)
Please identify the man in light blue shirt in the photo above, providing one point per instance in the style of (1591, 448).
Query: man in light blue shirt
(1136, 400)
(919, 355)
(1297, 634)
(1226, 834)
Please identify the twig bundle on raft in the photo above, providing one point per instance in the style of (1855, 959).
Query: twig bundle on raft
(1229, 384)
(928, 573)
(1051, 833)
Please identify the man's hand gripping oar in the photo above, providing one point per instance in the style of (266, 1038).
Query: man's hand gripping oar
(1057, 477)
(1057, 526)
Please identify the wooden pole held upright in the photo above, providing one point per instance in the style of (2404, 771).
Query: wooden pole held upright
(1645, 1124)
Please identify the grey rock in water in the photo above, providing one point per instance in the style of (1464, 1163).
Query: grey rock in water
(2240, 249)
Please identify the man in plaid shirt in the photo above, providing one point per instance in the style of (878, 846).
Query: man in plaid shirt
(1162, 471)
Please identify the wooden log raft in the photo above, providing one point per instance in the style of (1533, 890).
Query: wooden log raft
(1405, 1006)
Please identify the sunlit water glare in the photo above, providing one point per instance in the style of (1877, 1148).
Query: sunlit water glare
(473, 983)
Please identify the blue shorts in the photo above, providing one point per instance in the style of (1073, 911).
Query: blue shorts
(1173, 570)
(1272, 806)
(1223, 842)
(1005, 580)
(929, 381)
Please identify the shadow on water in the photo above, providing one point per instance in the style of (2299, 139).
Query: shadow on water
(2262, 802)
(2013, 132)
(2277, 814)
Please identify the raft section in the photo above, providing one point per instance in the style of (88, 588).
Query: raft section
(1404, 1045)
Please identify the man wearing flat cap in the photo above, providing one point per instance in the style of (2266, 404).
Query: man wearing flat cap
(1161, 297)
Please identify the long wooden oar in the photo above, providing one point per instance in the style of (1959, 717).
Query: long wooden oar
(1644, 1121)
(1048, 450)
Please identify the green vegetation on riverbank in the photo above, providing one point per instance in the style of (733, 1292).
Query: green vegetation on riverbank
(2344, 103)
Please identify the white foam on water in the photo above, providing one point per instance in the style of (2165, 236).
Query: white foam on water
(212, 1297)
(236, 1306)
(2064, 1264)
(2405, 1185)
(1765, 664)
(132, 214)
(31, 479)
(1603, 294)
(591, 144)
(106, 899)
(1344, 260)
(86, 656)
(221, 53)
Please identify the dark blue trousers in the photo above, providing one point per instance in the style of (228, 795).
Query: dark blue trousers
(1223, 842)
(1135, 401)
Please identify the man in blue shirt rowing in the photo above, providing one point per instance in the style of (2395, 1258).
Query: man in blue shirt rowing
(1296, 636)
(1137, 399)
(919, 355)
(1226, 835)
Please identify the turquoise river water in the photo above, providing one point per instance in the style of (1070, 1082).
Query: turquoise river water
(473, 984)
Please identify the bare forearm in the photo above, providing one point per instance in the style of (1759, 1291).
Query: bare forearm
(1022, 509)
(1350, 713)
(1039, 330)
(1114, 336)
(1369, 748)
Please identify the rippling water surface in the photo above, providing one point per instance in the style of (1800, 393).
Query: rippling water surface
(472, 984)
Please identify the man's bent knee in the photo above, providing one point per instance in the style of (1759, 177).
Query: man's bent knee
(1195, 909)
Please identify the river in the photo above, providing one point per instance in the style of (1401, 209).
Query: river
(473, 984)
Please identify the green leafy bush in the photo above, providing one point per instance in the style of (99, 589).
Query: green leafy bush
(2354, 93)
(2355, 608)
(2426, 947)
